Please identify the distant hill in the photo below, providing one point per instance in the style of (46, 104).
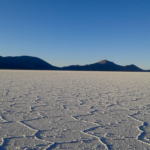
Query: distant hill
(103, 65)
(34, 63)
(25, 63)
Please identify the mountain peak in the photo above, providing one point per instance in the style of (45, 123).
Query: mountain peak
(103, 61)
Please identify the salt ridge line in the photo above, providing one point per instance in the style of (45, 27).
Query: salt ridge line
(142, 133)
(36, 134)
(85, 132)
(99, 139)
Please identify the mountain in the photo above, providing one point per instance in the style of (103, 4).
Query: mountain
(103, 65)
(25, 63)
(34, 63)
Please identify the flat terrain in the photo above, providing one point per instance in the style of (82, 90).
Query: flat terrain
(74, 110)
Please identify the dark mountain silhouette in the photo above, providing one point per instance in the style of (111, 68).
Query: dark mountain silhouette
(103, 65)
(25, 63)
(34, 63)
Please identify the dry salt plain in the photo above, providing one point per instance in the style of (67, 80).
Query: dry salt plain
(50, 110)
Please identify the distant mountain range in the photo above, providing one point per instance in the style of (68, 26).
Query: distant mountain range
(25, 63)
(34, 63)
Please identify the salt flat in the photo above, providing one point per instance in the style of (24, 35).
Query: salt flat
(74, 110)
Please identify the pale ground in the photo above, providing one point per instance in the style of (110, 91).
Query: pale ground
(74, 110)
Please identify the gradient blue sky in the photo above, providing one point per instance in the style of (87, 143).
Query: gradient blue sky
(69, 32)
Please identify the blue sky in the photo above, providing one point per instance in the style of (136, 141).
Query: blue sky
(67, 32)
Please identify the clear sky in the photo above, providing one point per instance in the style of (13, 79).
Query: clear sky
(70, 32)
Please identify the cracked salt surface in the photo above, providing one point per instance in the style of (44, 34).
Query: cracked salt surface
(48, 110)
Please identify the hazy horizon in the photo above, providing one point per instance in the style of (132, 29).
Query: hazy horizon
(76, 64)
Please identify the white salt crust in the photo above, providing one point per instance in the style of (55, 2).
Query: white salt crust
(50, 110)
